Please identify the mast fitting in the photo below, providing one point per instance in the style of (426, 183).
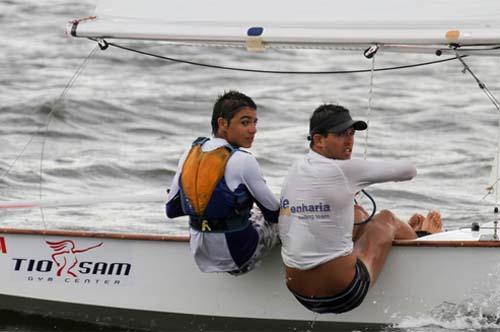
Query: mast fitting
(371, 51)
(72, 25)
(102, 44)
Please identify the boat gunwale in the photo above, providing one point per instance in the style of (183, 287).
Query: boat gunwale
(447, 243)
(110, 235)
(185, 238)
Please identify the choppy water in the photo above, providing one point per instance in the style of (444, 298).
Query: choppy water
(122, 126)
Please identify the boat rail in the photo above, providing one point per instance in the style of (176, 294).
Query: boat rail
(185, 238)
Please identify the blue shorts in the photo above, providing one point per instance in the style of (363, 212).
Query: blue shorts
(348, 299)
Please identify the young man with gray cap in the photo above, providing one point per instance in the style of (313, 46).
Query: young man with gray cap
(328, 267)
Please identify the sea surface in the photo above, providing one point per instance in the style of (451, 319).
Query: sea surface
(80, 123)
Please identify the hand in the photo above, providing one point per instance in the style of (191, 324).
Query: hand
(359, 213)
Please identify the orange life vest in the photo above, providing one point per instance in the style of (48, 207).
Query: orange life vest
(205, 197)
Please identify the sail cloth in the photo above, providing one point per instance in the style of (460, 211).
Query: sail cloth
(317, 23)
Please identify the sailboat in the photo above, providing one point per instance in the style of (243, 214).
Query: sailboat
(152, 282)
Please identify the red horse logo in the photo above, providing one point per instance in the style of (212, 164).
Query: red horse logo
(65, 255)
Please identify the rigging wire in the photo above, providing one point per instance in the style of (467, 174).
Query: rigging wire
(262, 71)
(481, 84)
(368, 113)
(49, 120)
(46, 126)
(9, 168)
(38, 131)
(490, 188)
(495, 103)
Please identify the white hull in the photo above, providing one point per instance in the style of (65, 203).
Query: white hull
(157, 274)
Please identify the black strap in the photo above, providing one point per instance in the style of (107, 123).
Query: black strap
(200, 140)
(231, 224)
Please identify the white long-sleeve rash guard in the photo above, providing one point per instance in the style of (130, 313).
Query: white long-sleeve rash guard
(217, 252)
(317, 205)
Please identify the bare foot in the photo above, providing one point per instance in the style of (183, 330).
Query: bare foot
(416, 221)
(432, 223)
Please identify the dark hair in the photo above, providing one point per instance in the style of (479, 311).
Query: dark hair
(227, 105)
(319, 116)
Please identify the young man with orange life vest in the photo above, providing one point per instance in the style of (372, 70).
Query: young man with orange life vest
(217, 184)
(329, 263)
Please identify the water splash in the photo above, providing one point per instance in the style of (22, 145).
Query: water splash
(482, 312)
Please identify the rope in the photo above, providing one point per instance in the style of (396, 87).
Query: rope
(498, 169)
(371, 214)
(274, 71)
(64, 92)
(19, 155)
(481, 85)
(365, 154)
(497, 161)
(370, 95)
(495, 103)
(49, 119)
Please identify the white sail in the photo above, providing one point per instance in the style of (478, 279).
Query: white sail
(319, 23)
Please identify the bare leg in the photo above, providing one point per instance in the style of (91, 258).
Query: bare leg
(359, 215)
(375, 241)
(372, 244)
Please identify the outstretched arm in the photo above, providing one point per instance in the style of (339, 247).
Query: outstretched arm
(361, 173)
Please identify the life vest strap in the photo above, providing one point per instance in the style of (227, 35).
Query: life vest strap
(234, 223)
(200, 141)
